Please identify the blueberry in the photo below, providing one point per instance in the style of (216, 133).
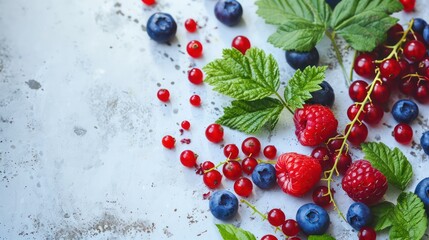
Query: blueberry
(332, 3)
(424, 142)
(223, 205)
(418, 25)
(300, 60)
(161, 27)
(422, 191)
(426, 34)
(312, 219)
(359, 215)
(264, 175)
(405, 111)
(324, 96)
(228, 12)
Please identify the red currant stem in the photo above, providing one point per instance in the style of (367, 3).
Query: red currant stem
(255, 210)
(284, 103)
(267, 161)
(331, 36)
(220, 164)
(416, 75)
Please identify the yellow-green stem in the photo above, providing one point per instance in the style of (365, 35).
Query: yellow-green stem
(331, 36)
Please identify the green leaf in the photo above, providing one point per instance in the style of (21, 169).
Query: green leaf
(245, 77)
(408, 218)
(392, 163)
(321, 237)
(382, 215)
(250, 116)
(230, 232)
(302, 84)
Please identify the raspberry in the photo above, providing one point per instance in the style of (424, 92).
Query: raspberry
(363, 183)
(297, 173)
(314, 124)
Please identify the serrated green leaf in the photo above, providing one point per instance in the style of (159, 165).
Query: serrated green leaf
(381, 215)
(408, 218)
(321, 237)
(245, 77)
(230, 232)
(250, 116)
(302, 84)
(392, 163)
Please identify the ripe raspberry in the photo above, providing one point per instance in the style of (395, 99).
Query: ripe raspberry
(314, 124)
(297, 173)
(363, 183)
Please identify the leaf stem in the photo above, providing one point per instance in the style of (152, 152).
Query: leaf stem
(331, 36)
(284, 103)
(351, 68)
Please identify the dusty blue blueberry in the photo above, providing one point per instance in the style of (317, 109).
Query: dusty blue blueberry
(359, 215)
(300, 60)
(228, 12)
(161, 27)
(422, 191)
(324, 96)
(426, 34)
(264, 175)
(223, 204)
(312, 219)
(332, 3)
(405, 111)
(418, 25)
(424, 142)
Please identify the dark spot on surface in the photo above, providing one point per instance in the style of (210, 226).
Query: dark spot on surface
(175, 111)
(177, 67)
(119, 12)
(158, 84)
(143, 28)
(377, 137)
(79, 131)
(172, 83)
(117, 5)
(33, 84)
(387, 125)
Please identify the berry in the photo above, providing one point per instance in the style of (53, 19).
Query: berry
(195, 100)
(322, 155)
(241, 43)
(408, 5)
(344, 162)
(358, 90)
(243, 187)
(223, 205)
(358, 133)
(324, 96)
(212, 179)
(231, 151)
(188, 158)
(264, 176)
(321, 197)
(185, 124)
(168, 141)
(367, 233)
(293, 238)
(394, 34)
(163, 95)
(297, 173)
(149, 2)
(248, 165)
(363, 183)
(364, 65)
(269, 237)
(194, 49)
(190, 25)
(373, 113)
(290, 227)
(312, 219)
(403, 133)
(314, 124)
(276, 217)
(270, 151)
(390, 68)
(422, 191)
(214, 133)
(332, 3)
(195, 76)
(381, 93)
(405, 111)
(228, 12)
(424, 142)
(414, 50)
(423, 67)
(207, 165)
(408, 85)
(251, 146)
(422, 92)
(359, 215)
(301, 60)
(161, 27)
(335, 144)
(426, 34)
(232, 170)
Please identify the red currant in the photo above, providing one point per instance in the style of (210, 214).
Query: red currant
(380, 93)
(270, 151)
(390, 68)
(269, 237)
(231, 151)
(251, 146)
(232, 170)
(344, 162)
(408, 85)
(168, 141)
(394, 34)
(358, 133)
(367, 233)
(195, 100)
(241, 43)
(364, 65)
(212, 179)
(403, 133)
(358, 90)
(163, 95)
(321, 197)
(248, 164)
(373, 113)
(195, 76)
(207, 165)
(293, 238)
(194, 49)
(322, 155)
(405, 67)
(414, 50)
(422, 92)
(353, 110)
(149, 2)
(188, 158)
(423, 67)
(276, 217)
(185, 125)
(243, 187)
(191, 25)
(408, 5)
(335, 144)
(214, 133)
(290, 227)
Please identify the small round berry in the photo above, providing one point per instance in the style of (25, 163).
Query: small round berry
(321, 197)
(324, 96)
(312, 219)
(358, 133)
(322, 155)
(424, 142)
(408, 5)
(359, 215)
(344, 162)
(394, 34)
(207, 165)
(367, 233)
(422, 92)
(373, 113)
(161, 27)
(231, 151)
(163, 95)
(168, 141)
(241, 43)
(212, 179)
(290, 227)
(214, 133)
(194, 49)
(190, 25)
(403, 133)
(405, 111)
(335, 144)
(188, 158)
(251, 146)
(185, 124)
(293, 238)
(418, 25)
(353, 110)
(228, 12)
(276, 217)
(232, 170)
(358, 90)
(414, 50)
(381, 93)
(248, 165)
(390, 68)
(195, 100)
(270, 151)
(301, 60)
(243, 187)
(149, 2)
(195, 76)
(269, 237)
(364, 65)
(408, 85)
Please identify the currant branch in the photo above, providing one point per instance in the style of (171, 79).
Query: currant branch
(255, 210)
